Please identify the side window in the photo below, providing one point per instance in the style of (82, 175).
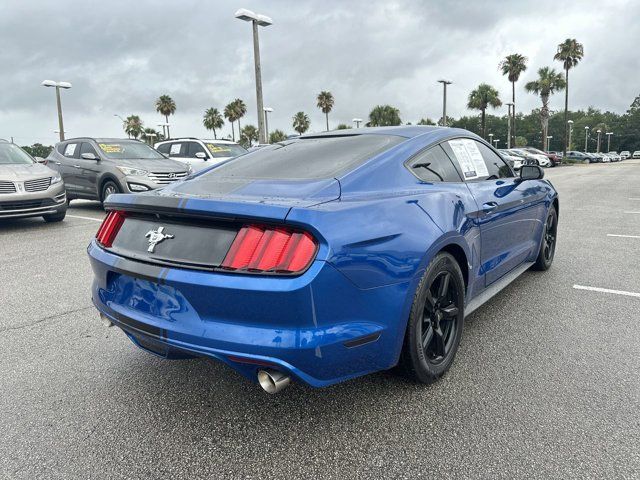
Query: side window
(87, 148)
(195, 147)
(71, 150)
(164, 148)
(495, 165)
(175, 150)
(433, 165)
(475, 161)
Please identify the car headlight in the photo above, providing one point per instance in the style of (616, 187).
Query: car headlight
(133, 171)
(57, 178)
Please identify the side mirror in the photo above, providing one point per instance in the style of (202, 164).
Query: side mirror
(201, 155)
(531, 172)
(89, 156)
(41, 160)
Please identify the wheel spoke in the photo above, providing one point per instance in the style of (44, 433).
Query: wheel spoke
(427, 336)
(430, 300)
(444, 286)
(438, 342)
(450, 312)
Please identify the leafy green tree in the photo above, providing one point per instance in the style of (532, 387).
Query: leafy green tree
(384, 116)
(151, 136)
(513, 65)
(277, 136)
(231, 116)
(343, 126)
(166, 106)
(133, 126)
(549, 81)
(570, 52)
(38, 150)
(521, 142)
(480, 99)
(241, 109)
(325, 103)
(248, 135)
(301, 122)
(426, 121)
(212, 120)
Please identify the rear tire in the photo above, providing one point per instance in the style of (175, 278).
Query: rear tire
(436, 321)
(548, 244)
(55, 217)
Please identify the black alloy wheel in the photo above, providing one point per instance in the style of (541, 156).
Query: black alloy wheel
(549, 239)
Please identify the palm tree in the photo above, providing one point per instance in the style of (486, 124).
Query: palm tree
(151, 136)
(166, 106)
(248, 135)
(481, 98)
(570, 53)
(133, 126)
(325, 103)
(549, 81)
(384, 116)
(426, 121)
(230, 114)
(277, 136)
(301, 122)
(513, 65)
(240, 109)
(212, 120)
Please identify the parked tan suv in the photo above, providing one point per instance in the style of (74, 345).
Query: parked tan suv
(28, 188)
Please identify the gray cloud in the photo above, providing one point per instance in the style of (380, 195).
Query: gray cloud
(121, 55)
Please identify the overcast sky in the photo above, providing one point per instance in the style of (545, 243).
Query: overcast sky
(121, 55)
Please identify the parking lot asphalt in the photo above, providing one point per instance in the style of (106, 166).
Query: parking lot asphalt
(546, 383)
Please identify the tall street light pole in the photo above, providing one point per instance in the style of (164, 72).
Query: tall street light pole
(509, 106)
(444, 100)
(357, 121)
(570, 122)
(267, 111)
(608, 134)
(549, 137)
(257, 20)
(58, 85)
(598, 148)
(586, 138)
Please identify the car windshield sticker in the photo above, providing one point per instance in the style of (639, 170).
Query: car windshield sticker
(70, 150)
(217, 148)
(469, 158)
(175, 149)
(110, 148)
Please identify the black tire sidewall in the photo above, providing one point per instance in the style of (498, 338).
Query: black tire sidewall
(423, 370)
(542, 263)
(103, 195)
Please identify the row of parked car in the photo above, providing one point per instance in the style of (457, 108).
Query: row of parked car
(601, 157)
(518, 157)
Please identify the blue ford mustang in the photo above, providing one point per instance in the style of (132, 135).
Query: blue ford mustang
(325, 257)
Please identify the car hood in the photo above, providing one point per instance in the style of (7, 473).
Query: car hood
(24, 172)
(155, 165)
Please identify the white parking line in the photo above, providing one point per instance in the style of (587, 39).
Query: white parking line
(633, 198)
(631, 212)
(607, 290)
(622, 236)
(85, 218)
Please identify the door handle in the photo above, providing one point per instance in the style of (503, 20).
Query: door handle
(58, 163)
(77, 166)
(489, 207)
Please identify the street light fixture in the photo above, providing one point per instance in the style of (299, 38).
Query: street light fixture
(549, 137)
(444, 100)
(608, 134)
(491, 138)
(586, 138)
(570, 122)
(58, 86)
(598, 147)
(357, 121)
(267, 110)
(165, 128)
(256, 20)
(495, 142)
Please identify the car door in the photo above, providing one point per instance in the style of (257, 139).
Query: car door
(88, 171)
(509, 212)
(195, 151)
(65, 162)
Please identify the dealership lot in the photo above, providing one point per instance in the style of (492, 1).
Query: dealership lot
(545, 383)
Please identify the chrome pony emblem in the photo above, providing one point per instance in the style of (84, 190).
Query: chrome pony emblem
(155, 237)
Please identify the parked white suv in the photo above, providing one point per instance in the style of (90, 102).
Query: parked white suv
(199, 153)
(625, 154)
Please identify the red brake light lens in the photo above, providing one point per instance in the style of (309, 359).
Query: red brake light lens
(261, 249)
(110, 227)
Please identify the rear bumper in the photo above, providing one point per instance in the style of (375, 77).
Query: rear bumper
(318, 327)
(51, 201)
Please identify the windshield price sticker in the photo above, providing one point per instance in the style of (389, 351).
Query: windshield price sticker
(215, 148)
(175, 148)
(110, 148)
(70, 150)
(469, 158)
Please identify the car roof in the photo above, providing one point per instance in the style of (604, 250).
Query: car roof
(101, 140)
(214, 140)
(406, 131)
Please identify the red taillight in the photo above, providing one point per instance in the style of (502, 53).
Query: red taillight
(267, 249)
(109, 228)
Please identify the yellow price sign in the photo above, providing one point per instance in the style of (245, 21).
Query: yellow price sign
(110, 148)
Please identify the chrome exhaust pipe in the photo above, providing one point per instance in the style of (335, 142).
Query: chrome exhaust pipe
(273, 381)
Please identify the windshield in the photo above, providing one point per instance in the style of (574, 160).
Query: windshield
(224, 150)
(307, 158)
(11, 154)
(129, 151)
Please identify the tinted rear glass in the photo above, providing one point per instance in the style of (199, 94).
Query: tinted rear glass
(307, 158)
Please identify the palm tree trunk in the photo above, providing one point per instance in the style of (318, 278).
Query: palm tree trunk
(484, 131)
(166, 118)
(239, 129)
(566, 111)
(513, 124)
(327, 115)
(233, 132)
(214, 134)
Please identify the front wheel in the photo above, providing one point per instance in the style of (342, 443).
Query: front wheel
(548, 245)
(108, 188)
(436, 321)
(55, 217)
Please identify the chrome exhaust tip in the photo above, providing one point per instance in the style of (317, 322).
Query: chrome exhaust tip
(273, 381)
(105, 320)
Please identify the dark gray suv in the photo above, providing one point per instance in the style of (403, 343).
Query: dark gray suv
(94, 168)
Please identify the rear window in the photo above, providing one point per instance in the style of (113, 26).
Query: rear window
(307, 158)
